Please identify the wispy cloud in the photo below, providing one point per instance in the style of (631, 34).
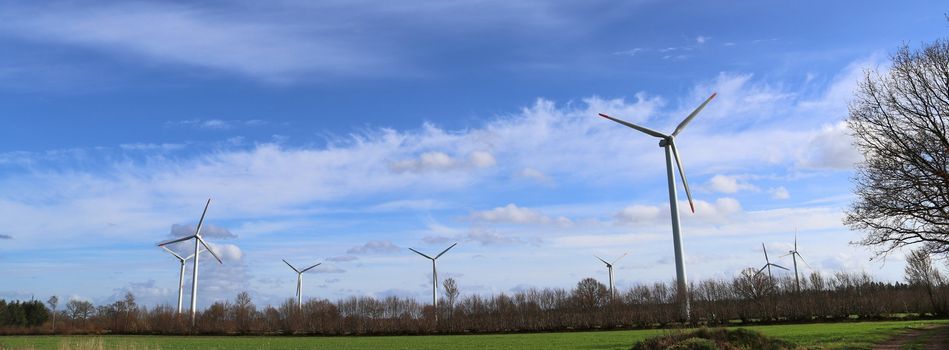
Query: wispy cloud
(260, 47)
(215, 124)
(513, 214)
(375, 247)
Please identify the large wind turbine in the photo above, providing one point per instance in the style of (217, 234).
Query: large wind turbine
(198, 242)
(768, 265)
(794, 255)
(434, 277)
(181, 274)
(668, 143)
(300, 281)
(609, 266)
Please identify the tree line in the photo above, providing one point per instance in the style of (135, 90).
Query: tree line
(750, 297)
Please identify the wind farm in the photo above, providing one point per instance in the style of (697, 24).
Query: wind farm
(474, 175)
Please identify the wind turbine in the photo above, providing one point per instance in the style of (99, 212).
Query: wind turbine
(198, 242)
(794, 255)
(300, 281)
(609, 266)
(668, 143)
(768, 265)
(434, 277)
(181, 274)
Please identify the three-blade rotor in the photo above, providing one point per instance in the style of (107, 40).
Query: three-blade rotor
(795, 252)
(437, 256)
(298, 270)
(196, 235)
(669, 141)
(610, 263)
(768, 262)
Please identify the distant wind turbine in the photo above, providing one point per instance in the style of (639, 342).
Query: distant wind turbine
(198, 242)
(434, 277)
(794, 255)
(668, 143)
(300, 281)
(181, 274)
(768, 265)
(609, 266)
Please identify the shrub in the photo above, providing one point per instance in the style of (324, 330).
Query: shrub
(715, 339)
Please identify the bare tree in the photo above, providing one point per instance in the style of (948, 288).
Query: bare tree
(244, 311)
(451, 294)
(898, 119)
(920, 272)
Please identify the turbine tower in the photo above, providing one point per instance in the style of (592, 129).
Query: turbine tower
(434, 277)
(181, 274)
(794, 255)
(609, 266)
(768, 265)
(300, 281)
(198, 242)
(668, 143)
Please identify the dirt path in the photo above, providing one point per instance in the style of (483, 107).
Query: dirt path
(934, 337)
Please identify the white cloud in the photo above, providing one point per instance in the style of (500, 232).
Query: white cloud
(256, 46)
(535, 175)
(720, 211)
(481, 159)
(831, 148)
(215, 124)
(779, 193)
(702, 39)
(342, 258)
(439, 161)
(729, 184)
(638, 213)
(283, 41)
(375, 247)
(513, 214)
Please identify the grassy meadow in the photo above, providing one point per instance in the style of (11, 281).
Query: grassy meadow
(856, 335)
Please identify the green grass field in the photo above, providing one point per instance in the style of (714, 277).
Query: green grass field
(816, 336)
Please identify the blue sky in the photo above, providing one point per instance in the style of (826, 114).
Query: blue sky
(348, 131)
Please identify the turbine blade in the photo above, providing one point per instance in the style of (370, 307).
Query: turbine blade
(685, 183)
(173, 253)
(802, 260)
(765, 253)
(694, 113)
(634, 126)
(617, 259)
(788, 254)
(197, 230)
(182, 239)
(420, 253)
(308, 268)
(780, 267)
(206, 246)
(795, 240)
(446, 250)
(291, 266)
(601, 259)
(760, 270)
